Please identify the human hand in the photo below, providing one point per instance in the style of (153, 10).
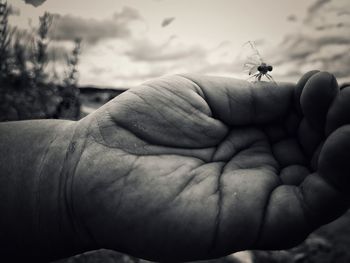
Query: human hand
(192, 167)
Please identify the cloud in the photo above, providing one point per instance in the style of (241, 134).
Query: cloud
(34, 2)
(322, 42)
(171, 50)
(317, 5)
(14, 11)
(292, 18)
(127, 14)
(69, 27)
(167, 21)
(314, 12)
(119, 62)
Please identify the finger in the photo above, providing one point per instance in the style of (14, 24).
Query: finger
(339, 112)
(294, 174)
(316, 97)
(322, 202)
(284, 224)
(299, 88)
(292, 123)
(344, 85)
(294, 212)
(288, 152)
(334, 161)
(309, 138)
(238, 102)
(275, 132)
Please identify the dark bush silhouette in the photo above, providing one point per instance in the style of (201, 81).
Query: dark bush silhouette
(26, 87)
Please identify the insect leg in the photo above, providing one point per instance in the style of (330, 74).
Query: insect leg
(255, 76)
(271, 78)
(252, 76)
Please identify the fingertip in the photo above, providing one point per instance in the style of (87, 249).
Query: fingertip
(316, 98)
(284, 224)
(293, 174)
(333, 162)
(339, 112)
(294, 212)
(308, 138)
(322, 202)
(344, 85)
(287, 152)
(299, 88)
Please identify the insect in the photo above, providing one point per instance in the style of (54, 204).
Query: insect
(255, 65)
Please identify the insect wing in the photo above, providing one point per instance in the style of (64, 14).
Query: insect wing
(251, 69)
(254, 52)
(251, 58)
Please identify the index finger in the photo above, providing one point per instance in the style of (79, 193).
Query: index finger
(239, 102)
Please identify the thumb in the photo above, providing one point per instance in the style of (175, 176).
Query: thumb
(239, 102)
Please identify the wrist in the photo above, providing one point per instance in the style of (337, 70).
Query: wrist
(67, 235)
(37, 160)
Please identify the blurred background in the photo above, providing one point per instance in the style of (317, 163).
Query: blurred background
(65, 58)
(106, 47)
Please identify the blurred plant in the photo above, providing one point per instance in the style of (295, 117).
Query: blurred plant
(70, 106)
(40, 56)
(28, 88)
(72, 61)
(55, 77)
(5, 39)
(20, 57)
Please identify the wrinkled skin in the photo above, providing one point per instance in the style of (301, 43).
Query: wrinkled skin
(193, 167)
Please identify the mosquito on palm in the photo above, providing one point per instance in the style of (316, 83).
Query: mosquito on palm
(255, 65)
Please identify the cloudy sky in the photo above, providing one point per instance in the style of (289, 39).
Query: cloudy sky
(126, 42)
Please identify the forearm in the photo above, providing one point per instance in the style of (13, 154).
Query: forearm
(36, 219)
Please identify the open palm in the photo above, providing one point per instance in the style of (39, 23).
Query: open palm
(192, 167)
